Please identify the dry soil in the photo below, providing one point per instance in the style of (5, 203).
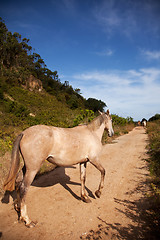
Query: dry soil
(53, 199)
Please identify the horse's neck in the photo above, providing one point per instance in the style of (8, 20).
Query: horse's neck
(99, 131)
(97, 126)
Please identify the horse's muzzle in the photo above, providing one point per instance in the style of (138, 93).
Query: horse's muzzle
(110, 133)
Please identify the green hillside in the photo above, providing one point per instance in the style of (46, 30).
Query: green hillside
(20, 66)
(31, 94)
(21, 108)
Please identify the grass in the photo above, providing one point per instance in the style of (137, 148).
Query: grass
(153, 130)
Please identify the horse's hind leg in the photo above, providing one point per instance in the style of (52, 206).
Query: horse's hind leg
(102, 170)
(21, 196)
(84, 196)
(19, 179)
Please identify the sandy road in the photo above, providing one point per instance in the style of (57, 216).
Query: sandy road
(53, 199)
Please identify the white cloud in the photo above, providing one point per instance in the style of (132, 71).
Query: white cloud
(134, 93)
(151, 55)
(128, 17)
(107, 53)
(107, 16)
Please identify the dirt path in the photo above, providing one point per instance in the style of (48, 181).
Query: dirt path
(54, 201)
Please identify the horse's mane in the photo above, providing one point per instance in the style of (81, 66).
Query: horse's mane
(96, 123)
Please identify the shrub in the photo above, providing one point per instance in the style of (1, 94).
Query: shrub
(85, 116)
(18, 109)
(153, 131)
(5, 145)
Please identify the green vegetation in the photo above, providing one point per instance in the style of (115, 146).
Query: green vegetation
(21, 108)
(155, 117)
(122, 125)
(153, 130)
(95, 105)
(19, 66)
(84, 117)
(121, 121)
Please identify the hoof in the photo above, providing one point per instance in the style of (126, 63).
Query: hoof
(28, 225)
(98, 193)
(31, 224)
(85, 199)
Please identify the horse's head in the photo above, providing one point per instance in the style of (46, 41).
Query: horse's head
(108, 123)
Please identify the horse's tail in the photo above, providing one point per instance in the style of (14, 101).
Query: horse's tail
(9, 184)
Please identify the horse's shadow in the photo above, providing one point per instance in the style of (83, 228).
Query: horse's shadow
(58, 176)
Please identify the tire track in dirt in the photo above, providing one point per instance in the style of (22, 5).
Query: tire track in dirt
(53, 199)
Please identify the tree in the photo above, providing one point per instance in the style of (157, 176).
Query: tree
(95, 105)
(155, 117)
(3, 36)
(77, 90)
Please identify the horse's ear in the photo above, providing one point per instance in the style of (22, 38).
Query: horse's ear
(107, 112)
(100, 112)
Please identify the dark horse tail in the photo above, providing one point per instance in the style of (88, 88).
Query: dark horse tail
(9, 184)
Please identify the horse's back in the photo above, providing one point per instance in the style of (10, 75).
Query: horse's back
(67, 146)
(74, 145)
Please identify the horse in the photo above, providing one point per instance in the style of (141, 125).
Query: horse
(60, 146)
(144, 123)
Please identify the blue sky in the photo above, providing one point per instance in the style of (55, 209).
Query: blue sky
(110, 49)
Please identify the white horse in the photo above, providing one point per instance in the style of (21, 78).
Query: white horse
(144, 123)
(60, 146)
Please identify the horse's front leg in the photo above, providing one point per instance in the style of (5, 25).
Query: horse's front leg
(84, 196)
(96, 163)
